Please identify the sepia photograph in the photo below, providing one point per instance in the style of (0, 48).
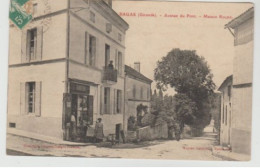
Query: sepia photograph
(121, 79)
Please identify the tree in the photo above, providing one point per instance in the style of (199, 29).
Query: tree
(156, 103)
(191, 77)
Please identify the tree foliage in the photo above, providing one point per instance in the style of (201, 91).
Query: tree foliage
(191, 77)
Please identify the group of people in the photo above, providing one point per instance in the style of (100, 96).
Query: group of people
(98, 130)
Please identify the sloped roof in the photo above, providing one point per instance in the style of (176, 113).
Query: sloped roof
(241, 18)
(133, 73)
(228, 79)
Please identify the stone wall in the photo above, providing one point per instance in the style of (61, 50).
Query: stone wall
(159, 131)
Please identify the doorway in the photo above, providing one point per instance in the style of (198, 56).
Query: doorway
(82, 107)
(118, 129)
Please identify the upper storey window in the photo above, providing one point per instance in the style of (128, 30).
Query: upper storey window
(32, 41)
(35, 7)
(92, 17)
(108, 27)
(119, 37)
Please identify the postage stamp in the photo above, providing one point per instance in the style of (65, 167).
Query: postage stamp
(19, 13)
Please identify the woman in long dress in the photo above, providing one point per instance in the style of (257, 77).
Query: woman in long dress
(73, 126)
(98, 133)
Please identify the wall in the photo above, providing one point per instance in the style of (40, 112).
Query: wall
(51, 49)
(243, 64)
(52, 77)
(242, 92)
(242, 120)
(225, 119)
(131, 103)
(159, 131)
(80, 23)
(138, 84)
(50, 71)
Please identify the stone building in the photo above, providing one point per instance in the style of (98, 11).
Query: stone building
(242, 28)
(137, 91)
(226, 111)
(60, 64)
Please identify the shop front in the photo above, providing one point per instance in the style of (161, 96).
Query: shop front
(78, 112)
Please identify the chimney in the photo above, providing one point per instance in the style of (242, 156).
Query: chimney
(137, 66)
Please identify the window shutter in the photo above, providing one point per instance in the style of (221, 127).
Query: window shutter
(116, 61)
(120, 62)
(101, 100)
(22, 98)
(94, 44)
(115, 101)
(120, 101)
(24, 55)
(86, 48)
(38, 89)
(90, 108)
(39, 43)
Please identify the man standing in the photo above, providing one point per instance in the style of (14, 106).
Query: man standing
(99, 134)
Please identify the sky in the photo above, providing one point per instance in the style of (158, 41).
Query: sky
(150, 38)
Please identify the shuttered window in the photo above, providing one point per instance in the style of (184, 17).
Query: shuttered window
(92, 17)
(32, 45)
(134, 91)
(120, 63)
(107, 55)
(101, 100)
(86, 48)
(106, 100)
(142, 93)
(30, 98)
(32, 42)
(92, 50)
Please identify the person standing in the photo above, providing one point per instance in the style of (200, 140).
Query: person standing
(98, 133)
(73, 126)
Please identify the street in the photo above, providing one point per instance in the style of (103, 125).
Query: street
(197, 148)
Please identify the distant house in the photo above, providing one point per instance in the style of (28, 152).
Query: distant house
(243, 27)
(226, 111)
(137, 91)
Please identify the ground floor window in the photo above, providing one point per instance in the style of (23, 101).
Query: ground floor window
(30, 97)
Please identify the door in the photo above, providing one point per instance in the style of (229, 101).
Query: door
(82, 105)
(118, 129)
(229, 128)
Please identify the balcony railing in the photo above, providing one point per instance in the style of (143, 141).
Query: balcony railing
(110, 75)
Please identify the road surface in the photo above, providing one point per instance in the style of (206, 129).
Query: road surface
(198, 148)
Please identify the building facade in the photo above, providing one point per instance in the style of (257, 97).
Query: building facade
(243, 27)
(68, 60)
(137, 91)
(226, 111)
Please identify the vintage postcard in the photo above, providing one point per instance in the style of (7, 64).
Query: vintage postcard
(130, 79)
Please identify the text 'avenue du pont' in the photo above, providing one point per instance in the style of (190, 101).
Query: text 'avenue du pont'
(167, 15)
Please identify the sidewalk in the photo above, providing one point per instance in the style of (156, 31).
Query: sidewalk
(47, 139)
(226, 154)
